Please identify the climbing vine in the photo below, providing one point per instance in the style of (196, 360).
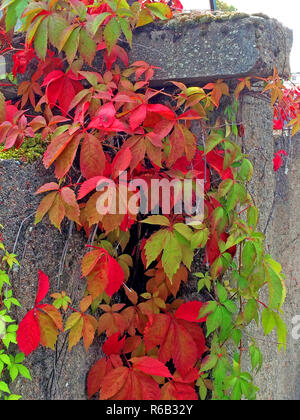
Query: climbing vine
(10, 365)
(103, 120)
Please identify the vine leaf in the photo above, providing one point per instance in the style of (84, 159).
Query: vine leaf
(179, 340)
(189, 311)
(41, 324)
(123, 383)
(103, 273)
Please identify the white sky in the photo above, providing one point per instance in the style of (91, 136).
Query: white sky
(286, 11)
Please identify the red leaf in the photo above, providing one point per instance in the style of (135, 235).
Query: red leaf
(277, 161)
(178, 340)
(216, 161)
(137, 116)
(51, 186)
(150, 366)
(162, 110)
(113, 382)
(91, 185)
(190, 115)
(112, 345)
(43, 287)
(121, 161)
(95, 376)
(189, 311)
(117, 52)
(106, 115)
(63, 88)
(28, 334)
(178, 391)
(92, 158)
(115, 276)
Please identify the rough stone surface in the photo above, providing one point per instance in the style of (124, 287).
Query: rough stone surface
(194, 48)
(199, 48)
(41, 247)
(280, 377)
(278, 198)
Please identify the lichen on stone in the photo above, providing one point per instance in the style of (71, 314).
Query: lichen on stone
(31, 150)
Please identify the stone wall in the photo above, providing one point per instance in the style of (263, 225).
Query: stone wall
(193, 49)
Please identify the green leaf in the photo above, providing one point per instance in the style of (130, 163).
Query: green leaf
(41, 40)
(80, 9)
(13, 372)
(252, 216)
(160, 10)
(93, 25)
(126, 29)
(250, 311)
(71, 46)
(249, 256)
(33, 29)
(24, 371)
(87, 47)
(5, 359)
(207, 308)
(184, 230)
(4, 278)
(225, 187)
(56, 25)
(155, 245)
(268, 321)
(220, 265)
(246, 170)
(172, 255)
(236, 336)
(199, 239)
(202, 389)
(218, 220)
(208, 363)
(20, 357)
(214, 321)
(4, 387)
(236, 195)
(256, 358)
(212, 141)
(230, 306)
(157, 220)
(14, 397)
(281, 332)
(222, 294)
(13, 12)
(111, 34)
(277, 289)
(236, 393)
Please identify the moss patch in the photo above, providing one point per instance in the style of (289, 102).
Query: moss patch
(31, 150)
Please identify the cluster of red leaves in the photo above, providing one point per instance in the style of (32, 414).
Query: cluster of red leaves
(41, 324)
(171, 336)
(277, 160)
(288, 108)
(146, 336)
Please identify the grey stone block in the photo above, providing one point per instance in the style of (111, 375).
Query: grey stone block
(198, 48)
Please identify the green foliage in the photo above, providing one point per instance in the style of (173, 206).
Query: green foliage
(224, 7)
(10, 366)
